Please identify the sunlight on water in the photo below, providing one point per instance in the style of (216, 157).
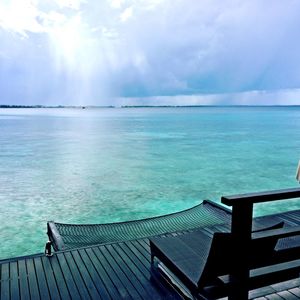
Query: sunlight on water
(105, 165)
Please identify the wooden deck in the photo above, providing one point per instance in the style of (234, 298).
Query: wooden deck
(111, 271)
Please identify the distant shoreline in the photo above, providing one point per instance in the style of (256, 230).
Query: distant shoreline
(53, 106)
(135, 106)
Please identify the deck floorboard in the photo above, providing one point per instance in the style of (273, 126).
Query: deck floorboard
(108, 283)
(295, 291)
(60, 281)
(41, 279)
(14, 281)
(50, 277)
(112, 273)
(5, 281)
(83, 290)
(67, 276)
(32, 280)
(24, 289)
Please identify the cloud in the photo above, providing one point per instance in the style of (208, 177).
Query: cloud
(266, 98)
(20, 16)
(126, 14)
(94, 51)
(29, 16)
(73, 4)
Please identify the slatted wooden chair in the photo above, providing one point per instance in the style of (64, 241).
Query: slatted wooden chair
(202, 265)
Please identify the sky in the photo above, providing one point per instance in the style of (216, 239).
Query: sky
(150, 52)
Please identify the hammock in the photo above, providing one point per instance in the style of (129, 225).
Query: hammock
(69, 236)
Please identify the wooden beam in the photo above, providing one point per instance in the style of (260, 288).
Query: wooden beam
(261, 197)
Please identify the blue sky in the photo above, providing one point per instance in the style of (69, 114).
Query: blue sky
(122, 52)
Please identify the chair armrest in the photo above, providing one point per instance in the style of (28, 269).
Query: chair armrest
(276, 233)
(252, 198)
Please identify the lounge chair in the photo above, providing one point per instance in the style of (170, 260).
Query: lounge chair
(205, 265)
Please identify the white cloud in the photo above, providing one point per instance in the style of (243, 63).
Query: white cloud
(73, 4)
(20, 16)
(126, 14)
(54, 18)
(109, 33)
(139, 4)
(116, 3)
(26, 16)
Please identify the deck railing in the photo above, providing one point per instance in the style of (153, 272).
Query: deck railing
(241, 228)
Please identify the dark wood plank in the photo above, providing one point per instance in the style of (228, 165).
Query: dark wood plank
(24, 289)
(71, 285)
(295, 291)
(267, 290)
(132, 283)
(273, 297)
(94, 275)
(120, 274)
(141, 279)
(50, 277)
(164, 292)
(140, 251)
(270, 274)
(41, 279)
(92, 289)
(59, 279)
(32, 279)
(77, 277)
(209, 231)
(141, 246)
(134, 278)
(146, 244)
(287, 295)
(285, 285)
(265, 196)
(5, 289)
(111, 288)
(113, 274)
(278, 233)
(139, 260)
(14, 281)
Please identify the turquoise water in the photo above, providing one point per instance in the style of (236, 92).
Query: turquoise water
(104, 165)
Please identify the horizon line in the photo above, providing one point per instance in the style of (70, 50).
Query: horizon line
(144, 106)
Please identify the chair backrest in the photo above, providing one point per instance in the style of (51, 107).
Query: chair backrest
(222, 254)
(219, 256)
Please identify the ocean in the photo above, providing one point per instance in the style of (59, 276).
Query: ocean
(102, 165)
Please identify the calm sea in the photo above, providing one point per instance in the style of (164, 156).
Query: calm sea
(105, 165)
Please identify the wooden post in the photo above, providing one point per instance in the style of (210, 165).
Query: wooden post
(241, 228)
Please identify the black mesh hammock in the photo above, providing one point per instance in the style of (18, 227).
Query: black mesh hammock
(69, 236)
